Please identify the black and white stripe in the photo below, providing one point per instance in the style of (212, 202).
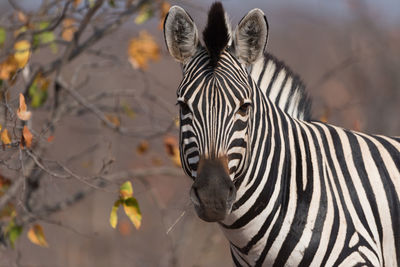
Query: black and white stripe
(308, 193)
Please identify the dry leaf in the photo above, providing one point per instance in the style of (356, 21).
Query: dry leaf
(124, 227)
(50, 138)
(142, 147)
(5, 137)
(172, 149)
(113, 119)
(132, 210)
(22, 52)
(22, 17)
(156, 161)
(142, 49)
(36, 236)
(69, 29)
(325, 116)
(177, 122)
(27, 135)
(8, 68)
(76, 3)
(164, 8)
(4, 182)
(22, 112)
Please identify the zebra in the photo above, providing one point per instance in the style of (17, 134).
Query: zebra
(286, 190)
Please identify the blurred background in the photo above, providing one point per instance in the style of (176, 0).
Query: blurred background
(100, 88)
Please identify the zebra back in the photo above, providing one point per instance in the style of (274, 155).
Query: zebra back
(282, 86)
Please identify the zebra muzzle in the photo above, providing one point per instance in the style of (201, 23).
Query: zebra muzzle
(213, 192)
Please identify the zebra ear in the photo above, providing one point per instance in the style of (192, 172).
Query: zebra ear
(250, 37)
(180, 33)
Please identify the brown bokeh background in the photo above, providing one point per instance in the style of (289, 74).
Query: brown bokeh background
(348, 55)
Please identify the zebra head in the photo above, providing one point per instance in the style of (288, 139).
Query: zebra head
(216, 102)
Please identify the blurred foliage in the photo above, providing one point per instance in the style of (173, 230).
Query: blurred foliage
(57, 27)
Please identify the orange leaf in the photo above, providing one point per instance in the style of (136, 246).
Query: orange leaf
(8, 68)
(22, 17)
(76, 3)
(164, 8)
(5, 137)
(50, 138)
(69, 29)
(142, 49)
(142, 147)
(36, 236)
(124, 227)
(325, 116)
(113, 119)
(22, 112)
(172, 149)
(27, 136)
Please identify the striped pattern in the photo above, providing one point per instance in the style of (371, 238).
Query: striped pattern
(209, 99)
(282, 86)
(308, 193)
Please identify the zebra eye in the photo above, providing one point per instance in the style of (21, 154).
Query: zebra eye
(244, 108)
(184, 107)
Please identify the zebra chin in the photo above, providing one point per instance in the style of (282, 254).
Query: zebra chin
(213, 192)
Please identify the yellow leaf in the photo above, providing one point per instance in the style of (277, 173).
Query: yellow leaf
(142, 49)
(27, 136)
(5, 137)
(22, 112)
(176, 121)
(69, 29)
(132, 210)
(172, 149)
(36, 236)
(142, 147)
(8, 68)
(164, 8)
(126, 190)
(145, 13)
(114, 215)
(22, 52)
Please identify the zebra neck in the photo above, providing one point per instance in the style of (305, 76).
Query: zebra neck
(263, 195)
(282, 86)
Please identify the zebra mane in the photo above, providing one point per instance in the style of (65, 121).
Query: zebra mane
(216, 34)
(289, 92)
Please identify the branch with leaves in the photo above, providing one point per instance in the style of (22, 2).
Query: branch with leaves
(37, 50)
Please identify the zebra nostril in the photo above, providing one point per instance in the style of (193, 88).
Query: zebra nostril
(194, 196)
